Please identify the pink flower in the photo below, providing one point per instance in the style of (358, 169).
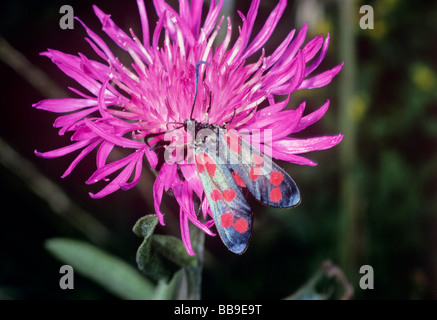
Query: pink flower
(123, 103)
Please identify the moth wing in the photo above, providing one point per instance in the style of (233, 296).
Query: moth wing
(266, 181)
(231, 212)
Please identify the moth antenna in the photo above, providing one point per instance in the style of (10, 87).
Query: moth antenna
(196, 85)
(173, 123)
(209, 107)
(233, 116)
(151, 135)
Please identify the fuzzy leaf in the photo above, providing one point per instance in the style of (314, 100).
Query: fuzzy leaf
(174, 250)
(159, 256)
(148, 261)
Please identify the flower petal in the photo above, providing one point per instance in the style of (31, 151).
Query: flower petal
(70, 65)
(320, 58)
(64, 105)
(68, 121)
(296, 146)
(110, 168)
(158, 190)
(189, 172)
(185, 232)
(313, 117)
(116, 183)
(292, 158)
(144, 22)
(81, 155)
(136, 178)
(267, 30)
(64, 150)
(184, 196)
(117, 140)
(321, 79)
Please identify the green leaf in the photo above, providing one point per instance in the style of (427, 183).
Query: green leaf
(173, 290)
(174, 250)
(159, 256)
(110, 272)
(148, 261)
(145, 226)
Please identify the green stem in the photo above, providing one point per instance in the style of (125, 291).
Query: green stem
(194, 274)
(349, 238)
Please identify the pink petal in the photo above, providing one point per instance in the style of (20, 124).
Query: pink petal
(152, 158)
(144, 22)
(211, 17)
(167, 177)
(185, 232)
(119, 141)
(313, 117)
(273, 108)
(67, 122)
(173, 20)
(320, 58)
(195, 16)
(312, 47)
(248, 23)
(70, 65)
(289, 54)
(282, 123)
(116, 34)
(321, 79)
(297, 79)
(103, 153)
(64, 150)
(110, 168)
(102, 45)
(184, 196)
(157, 31)
(136, 178)
(296, 146)
(81, 155)
(271, 60)
(288, 125)
(189, 172)
(64, 105)
(158, 189)
(267, 30)
(116, 183)
(292, 158)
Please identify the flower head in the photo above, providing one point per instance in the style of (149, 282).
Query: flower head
(125, 103)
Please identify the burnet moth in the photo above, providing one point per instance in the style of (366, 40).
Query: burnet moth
(227, 165)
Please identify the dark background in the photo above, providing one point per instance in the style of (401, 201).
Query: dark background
(370, 201)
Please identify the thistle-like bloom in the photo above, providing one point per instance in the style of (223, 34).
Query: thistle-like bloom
(124, 103)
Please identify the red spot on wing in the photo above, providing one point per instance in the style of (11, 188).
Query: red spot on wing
(275, 195)
(210, 167)
(209, 164)
(241, 225)
(233, 141)
(258, 160)
(226, 220)
(254, 174)
(199, 163)
(215, 195)
(238, 180)
(228, 195)
(276, 178)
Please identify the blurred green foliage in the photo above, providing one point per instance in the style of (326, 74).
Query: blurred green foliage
(395, 118)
